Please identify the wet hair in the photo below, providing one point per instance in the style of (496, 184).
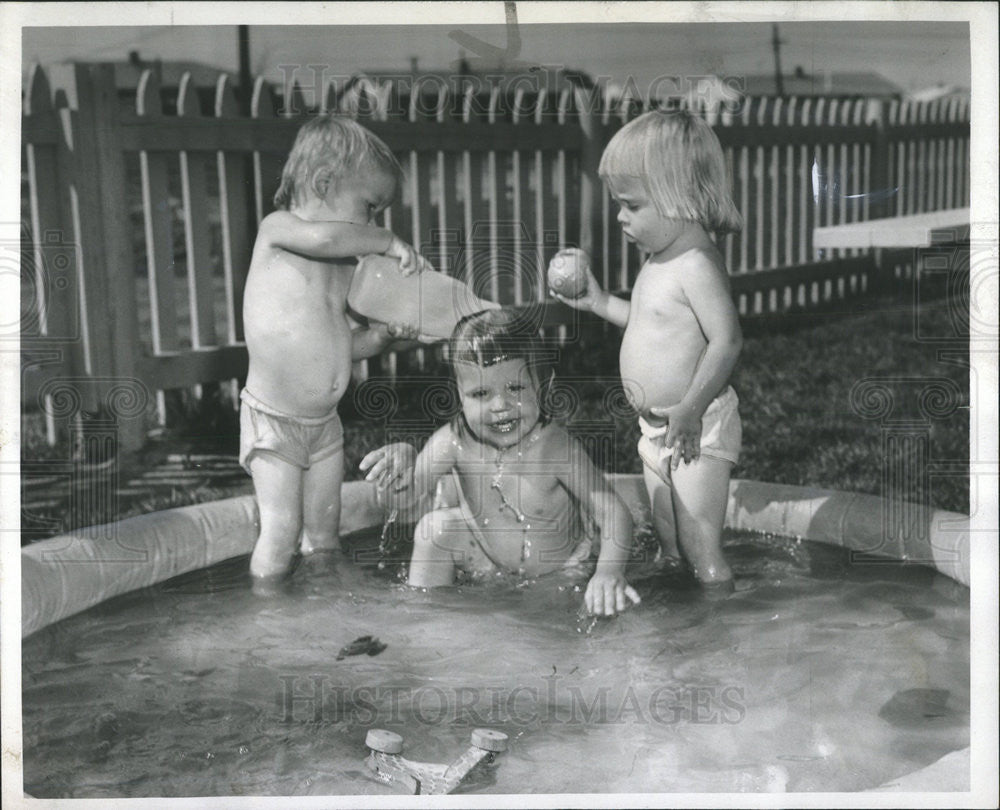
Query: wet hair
(493, 336)
(327, 149)
(678, 159)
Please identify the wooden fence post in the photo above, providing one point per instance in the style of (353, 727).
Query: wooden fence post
(109, 266)
(881, 195)
(82, 151)
(120, 267)
(879, 186)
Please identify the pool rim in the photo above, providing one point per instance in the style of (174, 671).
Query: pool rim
(68, 573)
(64, 575)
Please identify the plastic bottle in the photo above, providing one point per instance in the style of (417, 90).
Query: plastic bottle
(430, 301)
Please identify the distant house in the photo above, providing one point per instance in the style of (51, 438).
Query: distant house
(128, 73)
(826, 83)
(715, 93)
(938, 92)
(531, 80)
(707, 92)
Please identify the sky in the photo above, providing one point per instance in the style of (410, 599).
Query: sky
(913, 55)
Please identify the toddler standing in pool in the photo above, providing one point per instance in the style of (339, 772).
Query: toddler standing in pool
(682, 336)
(514, 490)
(338, 177)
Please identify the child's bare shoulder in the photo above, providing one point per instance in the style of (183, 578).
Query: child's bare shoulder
(706, 259)
(696, 261)
(443, 446)
(555, 443)
(444, 435)
(701, 266)
(564, 454)
(275, 223)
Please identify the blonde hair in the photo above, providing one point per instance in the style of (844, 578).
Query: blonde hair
(327, 149)
(678, 158)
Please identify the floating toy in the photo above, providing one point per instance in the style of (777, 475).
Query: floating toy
(388, 766)
(430, 301)
(567, 274)
(365, 645)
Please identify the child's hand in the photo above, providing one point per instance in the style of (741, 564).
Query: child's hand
(402, 331)
(585, 301)
(390, 466)
(683, 433)
(409, 260)
(607, 593)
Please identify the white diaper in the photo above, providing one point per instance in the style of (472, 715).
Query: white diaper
(721, 434)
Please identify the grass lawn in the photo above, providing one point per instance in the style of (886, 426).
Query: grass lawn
(794, 381)
(801, 427)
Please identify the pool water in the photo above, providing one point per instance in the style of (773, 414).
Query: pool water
(818, 674)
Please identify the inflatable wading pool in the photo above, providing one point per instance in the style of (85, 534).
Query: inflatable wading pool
(64, 575)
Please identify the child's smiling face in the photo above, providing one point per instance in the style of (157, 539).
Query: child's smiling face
(500, 402)
(639, 217)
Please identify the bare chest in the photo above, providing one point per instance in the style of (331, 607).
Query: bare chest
(513, 487)
(659, 296)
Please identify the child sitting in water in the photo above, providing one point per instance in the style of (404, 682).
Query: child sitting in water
(520, 488)
(338, 177)
(682, 336)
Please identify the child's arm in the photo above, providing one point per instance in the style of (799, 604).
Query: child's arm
(368, 341)
(607, 592)
(408, 477)
(337, 240)
(707, 289)
(598, 301)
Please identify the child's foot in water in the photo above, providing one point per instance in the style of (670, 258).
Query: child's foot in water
(269, 586)
(719, 589)
(321, 560)
(275, 581)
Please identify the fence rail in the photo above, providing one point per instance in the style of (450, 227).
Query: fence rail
(139, 221)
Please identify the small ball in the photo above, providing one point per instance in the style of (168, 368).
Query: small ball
(567, 274)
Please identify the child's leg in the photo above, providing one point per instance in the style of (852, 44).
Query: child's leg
(437, 539)
(321, 504)
(701, 493)
(278, 486)
(661, 504)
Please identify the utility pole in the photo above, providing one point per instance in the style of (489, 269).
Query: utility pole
(779, 86)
